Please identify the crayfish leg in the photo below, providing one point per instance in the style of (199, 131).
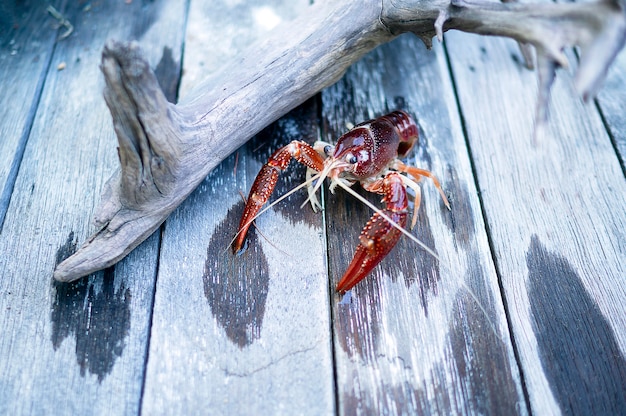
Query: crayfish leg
(417, 173)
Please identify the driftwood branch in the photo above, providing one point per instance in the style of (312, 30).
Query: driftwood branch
(166, 150)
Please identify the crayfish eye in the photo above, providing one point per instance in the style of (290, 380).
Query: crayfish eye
(327, 149)
(352, 159)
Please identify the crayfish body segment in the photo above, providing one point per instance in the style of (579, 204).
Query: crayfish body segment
(367, 154)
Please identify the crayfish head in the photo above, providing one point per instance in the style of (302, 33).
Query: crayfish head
(352, 156)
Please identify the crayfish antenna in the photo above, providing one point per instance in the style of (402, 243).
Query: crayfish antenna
(313, 190)
(349, 283)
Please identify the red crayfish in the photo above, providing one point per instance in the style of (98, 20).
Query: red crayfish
(369, 154)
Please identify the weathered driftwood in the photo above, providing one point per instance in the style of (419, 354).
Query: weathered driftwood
(166, 150)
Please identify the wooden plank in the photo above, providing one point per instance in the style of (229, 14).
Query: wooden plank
(418, 336)
(27, 38)
(77, 348)
(556, 212)
(611, 100)
(245, 334)
(218, 31)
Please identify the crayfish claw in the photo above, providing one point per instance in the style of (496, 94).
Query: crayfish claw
(375, 242)
(265, 182)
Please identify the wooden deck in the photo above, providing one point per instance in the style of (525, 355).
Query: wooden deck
(524, 313)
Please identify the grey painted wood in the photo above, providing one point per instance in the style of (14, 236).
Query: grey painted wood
(418, 335)
(76, 348)
(246, 334)
(555, 208)
(611, 100)
(27, 38)
(226, 28)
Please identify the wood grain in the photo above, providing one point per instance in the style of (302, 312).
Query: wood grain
(264, 332)
(27, 39)
(76, 348)
(419, 335)
(248, 333)
(243, 333)
(611, 100)
(555, 211)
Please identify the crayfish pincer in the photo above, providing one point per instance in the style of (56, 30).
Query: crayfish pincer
(369, 154)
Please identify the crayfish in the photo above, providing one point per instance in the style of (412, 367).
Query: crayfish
(369, 154)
